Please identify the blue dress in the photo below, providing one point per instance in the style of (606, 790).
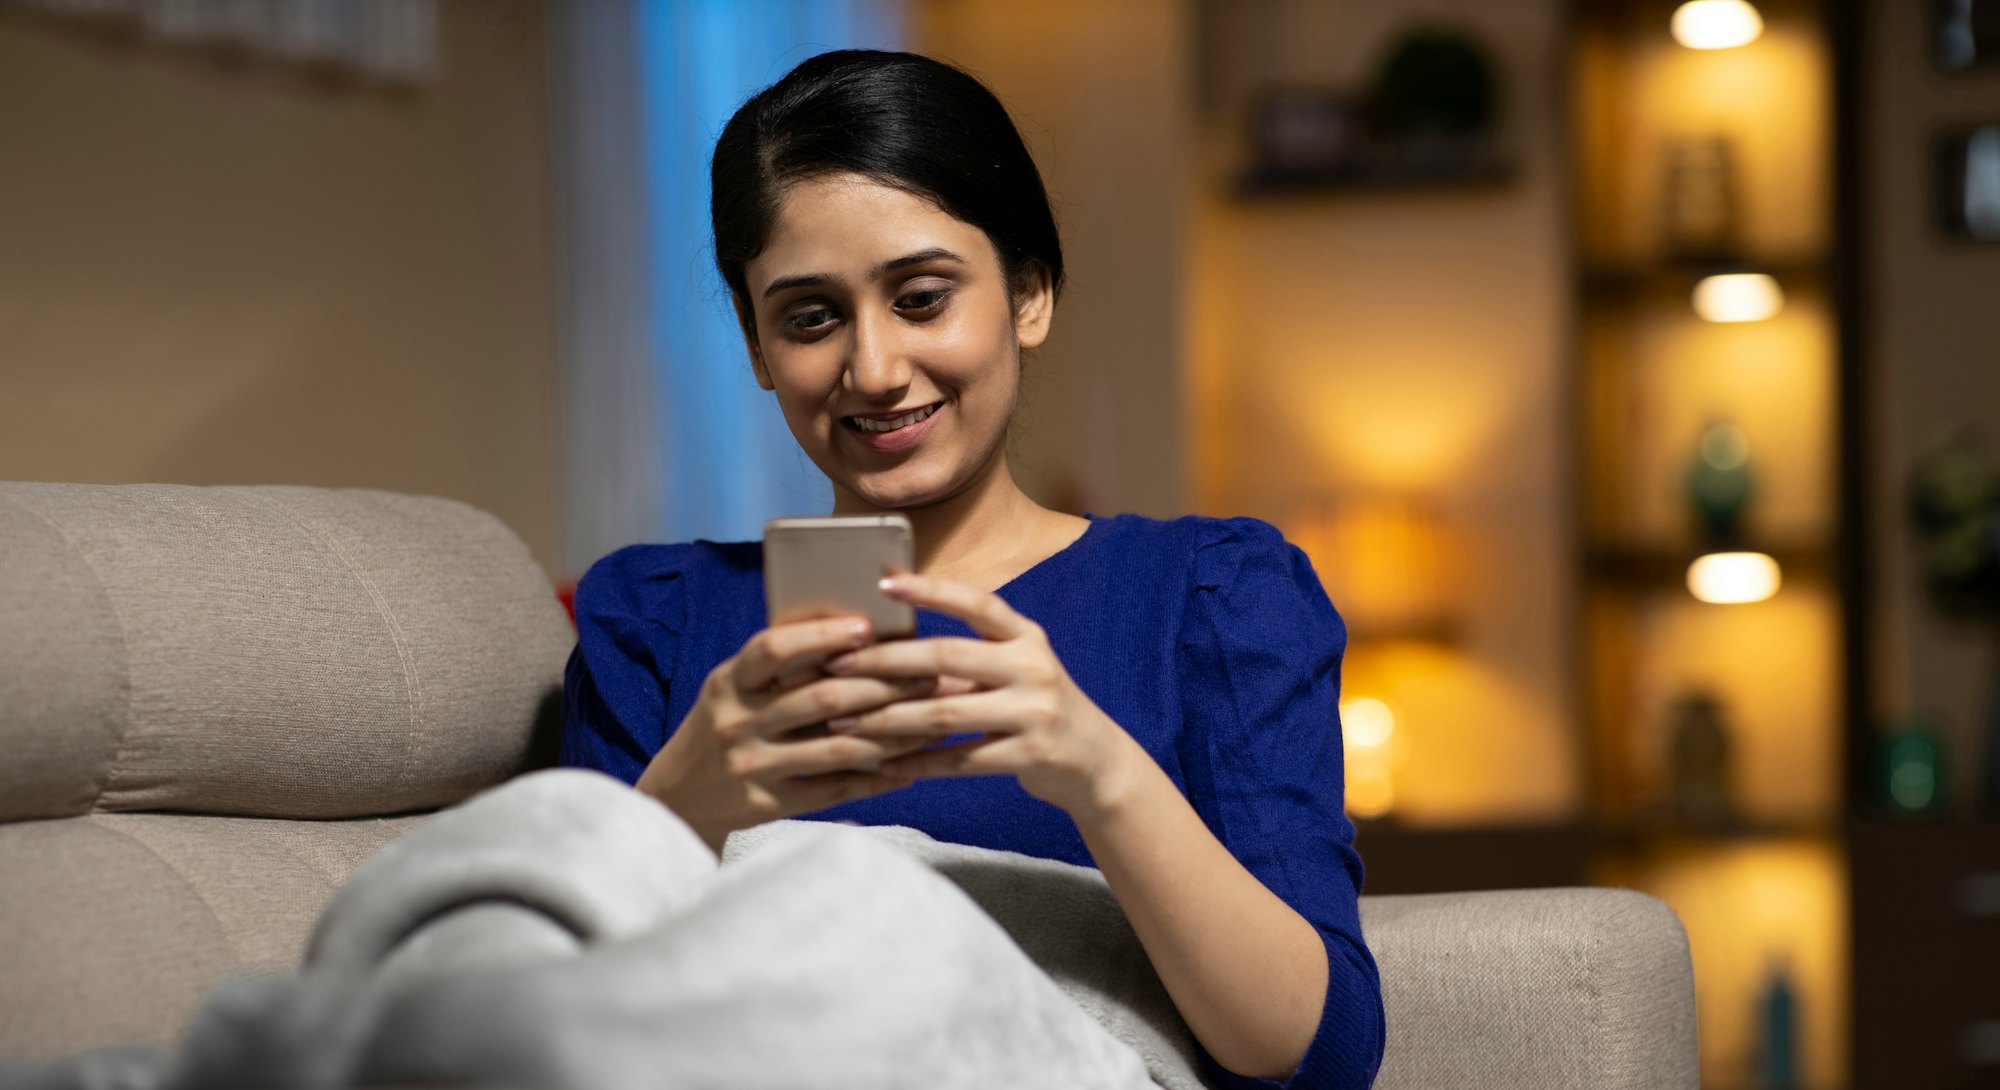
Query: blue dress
(1209, 640)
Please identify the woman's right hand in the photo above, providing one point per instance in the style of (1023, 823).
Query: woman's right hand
(730, 766)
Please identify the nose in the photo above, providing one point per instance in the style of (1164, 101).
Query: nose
(877, 368)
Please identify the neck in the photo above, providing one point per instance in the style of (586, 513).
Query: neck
(973, 529)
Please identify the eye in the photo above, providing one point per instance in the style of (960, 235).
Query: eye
(810, 320)
(923, 302)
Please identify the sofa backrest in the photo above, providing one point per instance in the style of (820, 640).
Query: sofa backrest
(266, 651)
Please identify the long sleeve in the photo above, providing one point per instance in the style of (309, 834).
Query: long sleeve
(1260, 650)
(630, 611)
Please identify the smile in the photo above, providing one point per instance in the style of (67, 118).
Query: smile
(876, 425)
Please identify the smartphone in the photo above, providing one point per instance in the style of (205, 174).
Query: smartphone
(818, 567)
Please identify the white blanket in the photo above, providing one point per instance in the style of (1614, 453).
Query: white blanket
(564, 931)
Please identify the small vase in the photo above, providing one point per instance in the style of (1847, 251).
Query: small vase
(1912, 774)
(1719, 484)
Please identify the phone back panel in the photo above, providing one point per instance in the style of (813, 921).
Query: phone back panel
(814, 567)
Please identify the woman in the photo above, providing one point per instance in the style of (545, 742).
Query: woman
(1153, 698)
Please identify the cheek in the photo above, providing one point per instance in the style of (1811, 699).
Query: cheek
(804, 388)
(979, 354)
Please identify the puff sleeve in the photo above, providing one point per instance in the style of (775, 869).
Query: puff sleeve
(1260, 651)
(630, 610)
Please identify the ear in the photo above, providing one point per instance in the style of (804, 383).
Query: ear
(747, 322)
(1034, 309)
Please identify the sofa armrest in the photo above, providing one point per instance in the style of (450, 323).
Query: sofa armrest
(1550, 989)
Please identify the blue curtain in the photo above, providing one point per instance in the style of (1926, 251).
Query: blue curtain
(730, 462)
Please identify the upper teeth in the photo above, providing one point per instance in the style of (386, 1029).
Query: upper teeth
(903, 421)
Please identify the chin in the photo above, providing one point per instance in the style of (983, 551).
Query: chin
(898, 491)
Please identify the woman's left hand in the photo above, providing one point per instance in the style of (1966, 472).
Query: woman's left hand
(1038, 725)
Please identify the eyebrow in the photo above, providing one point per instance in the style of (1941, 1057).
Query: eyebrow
(935, 253)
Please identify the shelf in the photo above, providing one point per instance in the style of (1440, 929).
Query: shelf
(1603, 280)
(1361, 179)
(1403, 858)
(1662, 566)
(1643, 833)
(1649, 375)
(1448, 859)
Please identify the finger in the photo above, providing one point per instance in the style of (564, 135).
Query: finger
(819, 792)
(973, 660)
(812, 757)
(954, 686)
(987, 613)
(829, 698)
(988, 712)
(770, 652)
(992, 756)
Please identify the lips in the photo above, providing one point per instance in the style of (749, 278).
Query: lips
(892, 431)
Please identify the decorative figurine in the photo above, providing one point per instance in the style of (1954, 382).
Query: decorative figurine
(1720, 484)
(1698, 763)
(1700, 220)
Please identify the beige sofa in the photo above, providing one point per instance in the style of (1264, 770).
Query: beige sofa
(215, 702)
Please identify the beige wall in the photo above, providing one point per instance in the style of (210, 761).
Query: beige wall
(1934, 361)
(1100, 92)
(1411, 344)
(215, 274)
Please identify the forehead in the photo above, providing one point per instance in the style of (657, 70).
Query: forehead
(843, 223)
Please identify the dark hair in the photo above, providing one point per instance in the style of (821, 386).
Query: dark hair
(899, 119)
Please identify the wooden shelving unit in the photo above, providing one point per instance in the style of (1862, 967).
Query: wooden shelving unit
(1764, 884)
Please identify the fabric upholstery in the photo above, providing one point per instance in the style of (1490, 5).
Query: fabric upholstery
(265, 651)
(119, 924)
(294, 653)
(1557, 989)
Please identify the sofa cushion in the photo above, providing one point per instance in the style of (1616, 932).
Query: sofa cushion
(119, 924)
(266, 651)
(1557, 989)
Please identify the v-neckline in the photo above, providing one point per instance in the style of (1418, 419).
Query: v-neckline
(933, 623)
(1043, 563)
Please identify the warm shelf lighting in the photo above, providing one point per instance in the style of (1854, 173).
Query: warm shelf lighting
(1733, 578)
(1368, 734)
(1738, 297)
(1717, 24)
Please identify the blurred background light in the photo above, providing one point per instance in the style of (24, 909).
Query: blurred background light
(1733, 578)
(1368, 734)
(1369, 723)
(1717, 24)
(1738, 297)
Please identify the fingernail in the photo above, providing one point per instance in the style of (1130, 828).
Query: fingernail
(858, 631)
(888, 585)
(843, 724)
(840, 664)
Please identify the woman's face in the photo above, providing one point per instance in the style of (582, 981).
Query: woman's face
(885, 329)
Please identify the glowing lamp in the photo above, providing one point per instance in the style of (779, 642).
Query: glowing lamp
(1384, 561)
(1717, 24)
(1368, 736)
(1733, 578)
(1738, 297)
